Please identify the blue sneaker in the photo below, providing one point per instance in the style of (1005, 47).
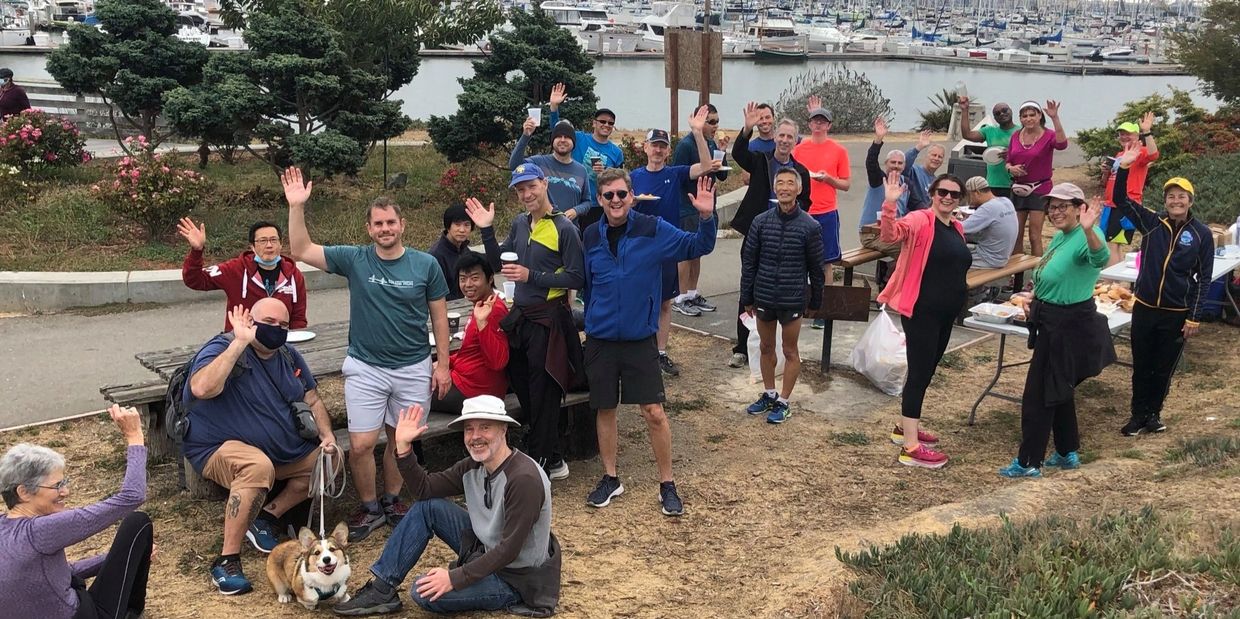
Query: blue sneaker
(1016, 470)
(229, 578)
(1068, 461)
(818, 323)
(780, 412)
(763, 405)
(263, 535)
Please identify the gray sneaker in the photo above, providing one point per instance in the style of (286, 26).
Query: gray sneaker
(687, 308)
(701, 303)
(363, 522)
(368, 601)
(739, 360)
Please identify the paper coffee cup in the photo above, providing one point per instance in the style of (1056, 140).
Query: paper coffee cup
(510, 290)
(536, 114)
(454, 321)
(508, 257)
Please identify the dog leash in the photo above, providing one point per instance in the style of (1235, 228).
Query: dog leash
(325, 485)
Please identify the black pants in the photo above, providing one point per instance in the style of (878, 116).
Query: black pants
(1038, 419)
(1157, 343)
(925, 335)
(742, 333)
(539, 394)
(452, 402)
(120, 586)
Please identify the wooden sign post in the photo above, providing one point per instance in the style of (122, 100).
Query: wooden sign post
(692, 60)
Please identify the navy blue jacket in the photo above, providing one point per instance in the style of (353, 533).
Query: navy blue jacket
(623, 290)
(1177, 261)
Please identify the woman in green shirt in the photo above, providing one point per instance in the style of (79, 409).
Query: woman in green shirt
(1069, 338)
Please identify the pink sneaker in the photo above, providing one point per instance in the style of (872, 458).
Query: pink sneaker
(923, 437)
(923, 457)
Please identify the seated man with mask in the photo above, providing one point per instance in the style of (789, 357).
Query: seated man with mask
(254, 418)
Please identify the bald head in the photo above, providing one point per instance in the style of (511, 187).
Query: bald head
(270, 311)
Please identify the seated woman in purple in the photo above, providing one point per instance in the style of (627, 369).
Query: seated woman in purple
(35, 578)
(1029, 161)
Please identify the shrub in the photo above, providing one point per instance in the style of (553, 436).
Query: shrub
(1214, 177)
(35, 140)
(940, 118)
(1176, 118)
(853, 99)
(151, 189)
(474, 178)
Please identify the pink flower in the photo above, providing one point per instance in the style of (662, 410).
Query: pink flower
(85, 157)
(126, 161)
(142, 139)
(135, 173)
(49, 156)
(163, 169)
(37, 133)
(116, 184)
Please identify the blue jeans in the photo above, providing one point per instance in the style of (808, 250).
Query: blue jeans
(446, 520)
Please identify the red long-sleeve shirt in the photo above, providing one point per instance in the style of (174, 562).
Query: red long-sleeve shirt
(478, 366)
(241, 282)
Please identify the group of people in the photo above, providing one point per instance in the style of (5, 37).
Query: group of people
(630, 243)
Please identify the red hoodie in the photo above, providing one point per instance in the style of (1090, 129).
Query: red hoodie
(478, 366)
(240, 280)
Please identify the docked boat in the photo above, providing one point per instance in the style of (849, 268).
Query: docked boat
(663, 15)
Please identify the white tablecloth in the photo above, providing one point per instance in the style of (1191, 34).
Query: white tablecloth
(1123, 272)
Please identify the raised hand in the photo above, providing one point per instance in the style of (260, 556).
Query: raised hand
(1147, 122)
(893, 187)
(128, 421)
(1052, 108)
(244, 329)
(528, 126)
(482, 216)
(723, 141)
(196, 235)
(880, 129)
(410, 424)
(1131, 152)
(752, 115)
(482, 311)
(296, 191)
(923, 140)
(814, 101)
(698, 119)
(1091, 212)
(704, 201)
(558, 94)
(963, 102)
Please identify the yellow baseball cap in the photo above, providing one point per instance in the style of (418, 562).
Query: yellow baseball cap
(1182, 183)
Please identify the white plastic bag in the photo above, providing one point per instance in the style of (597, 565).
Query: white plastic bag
(880, 354)
(754, 344)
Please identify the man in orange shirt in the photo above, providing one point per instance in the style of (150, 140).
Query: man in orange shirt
(1118, 230)
(827, 163)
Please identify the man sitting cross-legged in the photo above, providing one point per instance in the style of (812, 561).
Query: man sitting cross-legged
(242, 434)
(507, 556)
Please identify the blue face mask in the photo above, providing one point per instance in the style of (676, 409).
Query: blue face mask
(267, 264)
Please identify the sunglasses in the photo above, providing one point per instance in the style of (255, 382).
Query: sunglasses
(609, 195)
(947, 193)
(609, 123)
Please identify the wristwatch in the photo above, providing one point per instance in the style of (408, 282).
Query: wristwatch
(1142, 136)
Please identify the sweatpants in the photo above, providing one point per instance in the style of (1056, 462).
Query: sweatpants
(742, 333)
(1039, 419)
(539, 394)
(120, 586)
(925, 335)
(1157, 343)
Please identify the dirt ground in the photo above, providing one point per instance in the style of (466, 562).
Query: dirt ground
(766, 506)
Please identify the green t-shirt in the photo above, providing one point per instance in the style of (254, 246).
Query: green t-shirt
(389, 302)
(1069, 269)
(997, 175)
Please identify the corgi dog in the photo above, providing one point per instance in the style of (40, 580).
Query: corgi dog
(310, 569)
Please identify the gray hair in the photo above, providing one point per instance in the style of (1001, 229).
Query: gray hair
(892, 153)
(26, 465)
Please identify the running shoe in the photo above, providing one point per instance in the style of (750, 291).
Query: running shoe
(229, 578)
(738, 360)
(923, 437)
(1134, 426)
(362, 522)
(1154, 425)
(702, 304)
(263, 535)
(687, 308)
(763, 405)
(669, 501)
(667, 365)
(780, 412)
(1069, 460)
(369, 601)
(607, 489)
(923, 457)
(1016, 470)
(394, 511)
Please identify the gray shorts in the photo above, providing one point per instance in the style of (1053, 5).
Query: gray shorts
(1031, 202)
(374, 396)
(690, 223)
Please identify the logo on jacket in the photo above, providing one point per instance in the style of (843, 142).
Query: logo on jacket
(213, 271)
(1186, 238)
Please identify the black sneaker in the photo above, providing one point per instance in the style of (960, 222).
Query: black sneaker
(669, 500)
(1154, 425)
(607, 489)
(362, 522)
(1134, 427)
(368, 601)
(665, 364)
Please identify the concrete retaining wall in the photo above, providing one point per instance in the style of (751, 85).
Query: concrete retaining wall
(31, 292)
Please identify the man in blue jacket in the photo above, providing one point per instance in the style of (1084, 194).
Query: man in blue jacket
(624, 251)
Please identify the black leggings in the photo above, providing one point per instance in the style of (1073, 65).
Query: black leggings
(1038, 419)
(1157, 343)
(925, 335)
(120, 586)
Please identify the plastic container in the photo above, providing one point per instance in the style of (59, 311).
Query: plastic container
(994, 313)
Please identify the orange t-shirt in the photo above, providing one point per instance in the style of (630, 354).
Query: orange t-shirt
(827, 157)
(1136, 176)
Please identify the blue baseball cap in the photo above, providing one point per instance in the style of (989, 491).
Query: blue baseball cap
(525, 172)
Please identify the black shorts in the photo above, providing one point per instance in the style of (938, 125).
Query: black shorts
(1002, 192)
(623, 372)
(784, 316)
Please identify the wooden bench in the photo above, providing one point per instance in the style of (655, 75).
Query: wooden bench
(854, 258)
(1016, 267)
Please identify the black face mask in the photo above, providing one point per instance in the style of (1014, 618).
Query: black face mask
(270, 336)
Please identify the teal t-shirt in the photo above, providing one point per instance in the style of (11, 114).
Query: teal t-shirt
(997, 175)
(1069, 269)
(389, 302)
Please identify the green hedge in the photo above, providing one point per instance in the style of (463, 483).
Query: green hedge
(1217, 181)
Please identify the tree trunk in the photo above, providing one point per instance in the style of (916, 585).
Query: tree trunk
(204, 154)
(200, 487)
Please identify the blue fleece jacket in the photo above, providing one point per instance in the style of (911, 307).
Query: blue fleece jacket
(623, 290)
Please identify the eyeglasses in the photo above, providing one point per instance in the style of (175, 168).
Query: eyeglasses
(58, 486)
(273, 240)
(605, 122)
(947, 193)
(1059, 206)
(713, 122)
(620, 193)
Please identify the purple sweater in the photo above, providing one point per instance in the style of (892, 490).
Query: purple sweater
(35, 573)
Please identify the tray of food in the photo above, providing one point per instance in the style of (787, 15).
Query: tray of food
(994, 312)
(1111, 298)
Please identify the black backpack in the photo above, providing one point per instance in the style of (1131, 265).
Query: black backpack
(177, 405)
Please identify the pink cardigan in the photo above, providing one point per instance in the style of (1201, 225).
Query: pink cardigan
(915, 232)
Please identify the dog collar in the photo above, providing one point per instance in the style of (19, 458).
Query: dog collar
(324, 595)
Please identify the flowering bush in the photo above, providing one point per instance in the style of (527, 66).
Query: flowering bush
(473, 178)
(34, 140)
(151, 189)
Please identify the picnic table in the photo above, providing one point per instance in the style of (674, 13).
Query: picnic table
(1124, 272)
(1116, 322)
